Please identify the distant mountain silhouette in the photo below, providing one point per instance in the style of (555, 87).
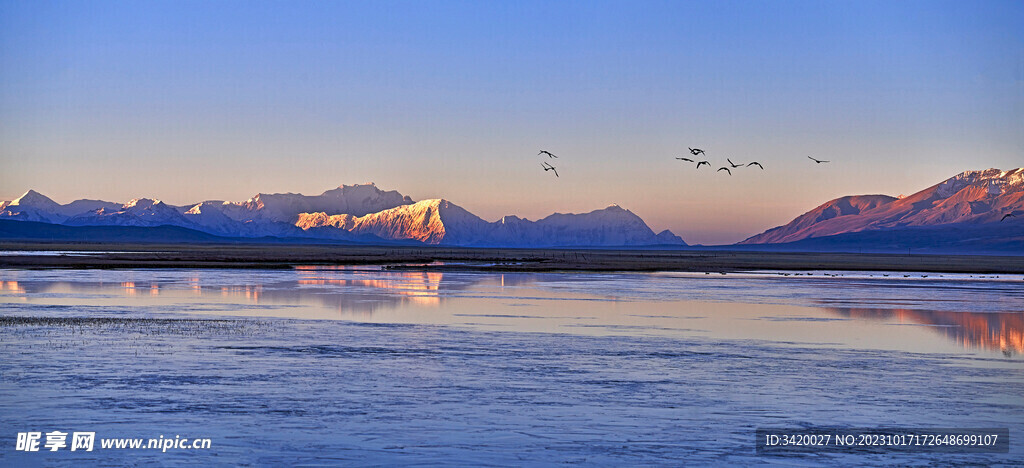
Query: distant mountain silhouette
(35, 231)
(954, 238)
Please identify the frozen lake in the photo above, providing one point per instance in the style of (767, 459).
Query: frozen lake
(328, 366)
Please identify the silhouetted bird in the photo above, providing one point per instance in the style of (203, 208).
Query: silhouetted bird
(816, 160)
(734, 165)
(703, 162)
(755, 163)
(548, 167)
(1007, 215)
(547, 153)
(726, 169)
(686, 159)
(695, 151)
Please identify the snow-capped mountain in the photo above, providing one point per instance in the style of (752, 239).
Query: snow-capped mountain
(357, 212)
(33, 206)
(969, 198)
(234, 220)
(440, 221)
(138, 212)
(210, 215)
(357, 200)
(434, 221)
(82, 206)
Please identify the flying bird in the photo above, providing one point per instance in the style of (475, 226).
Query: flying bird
(695, 151)
(547, 153)
(726, 169)
(1007, 215)
(703, 162)
(686, 159)
(548, 167)
(816, 160)
(734, 165)
(755, 163)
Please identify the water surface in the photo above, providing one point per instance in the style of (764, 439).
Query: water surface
(358, 365)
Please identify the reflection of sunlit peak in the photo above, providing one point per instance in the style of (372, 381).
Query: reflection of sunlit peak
(418, 287)
(425, 300)
(411, 281)
(12, 286)
(129, 287)
(432, 280)
(253, 292)
(249, 291)
(328, 267)
(991, 331)
(154, 289)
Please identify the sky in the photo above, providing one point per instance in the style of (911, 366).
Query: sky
(187, 101)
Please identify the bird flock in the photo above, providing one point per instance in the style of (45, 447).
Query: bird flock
(731, 165)
(695, 152)
(728, 169)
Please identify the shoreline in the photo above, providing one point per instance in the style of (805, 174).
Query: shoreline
(277, 256)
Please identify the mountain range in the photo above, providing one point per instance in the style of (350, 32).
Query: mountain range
(356, 213)
(972, 211)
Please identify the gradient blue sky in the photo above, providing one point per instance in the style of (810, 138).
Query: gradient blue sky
(186, 101)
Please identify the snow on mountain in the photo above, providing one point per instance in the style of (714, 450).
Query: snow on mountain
(137, 212)
(32, 206)
(434, 221)
(210, 215)
(320, 220)
(439, 221)
(277, 214)
(36, 200)
(233, 220)
(972, 197)
(357, 200)
(357, 212)
(81, 206)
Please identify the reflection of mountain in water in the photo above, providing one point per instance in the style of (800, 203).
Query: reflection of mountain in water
(972, 330)
(363, 292)
(351, 291)
(354, 292)
(347, 290)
